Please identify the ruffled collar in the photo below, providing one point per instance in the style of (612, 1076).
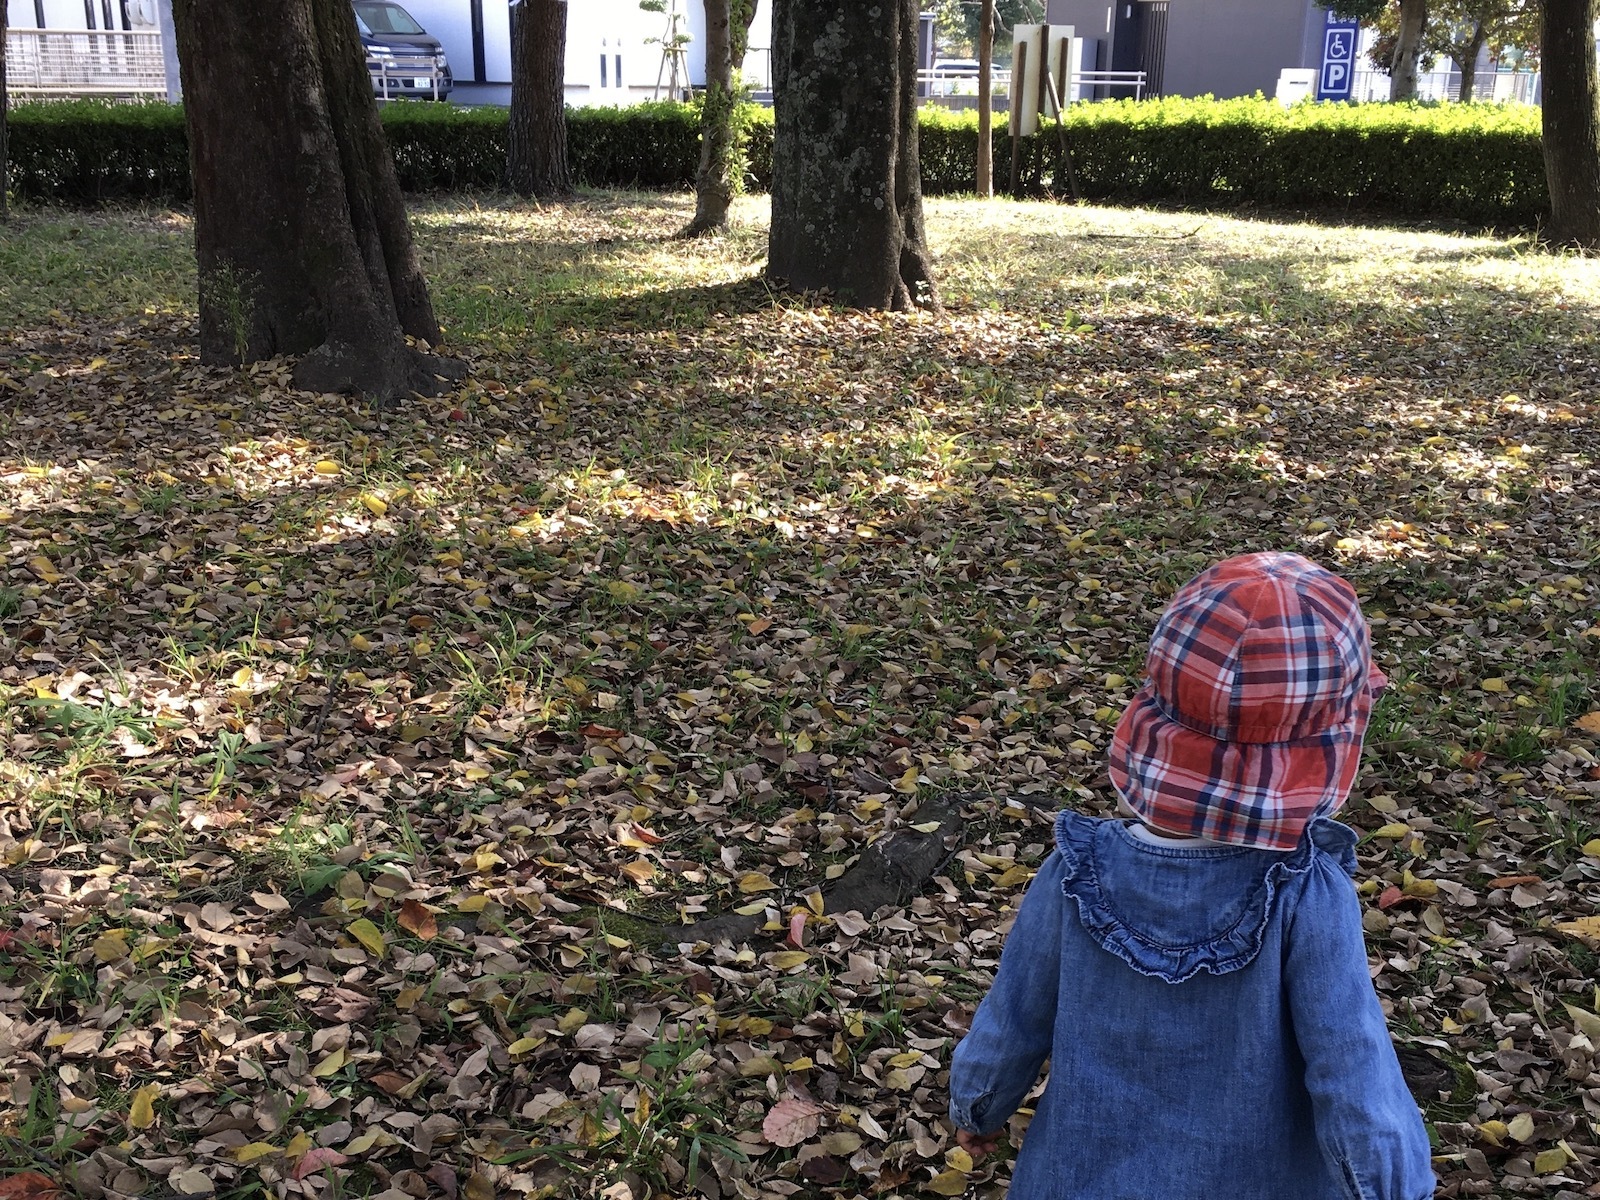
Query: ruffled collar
(1105, 868)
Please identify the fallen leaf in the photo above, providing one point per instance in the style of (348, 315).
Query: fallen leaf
(369, 935)
(415, 919)
(142, 1113)
(315, 1160)
(791, 1121)
(947, 1183)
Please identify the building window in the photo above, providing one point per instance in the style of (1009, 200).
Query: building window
(603, 82)
(618, 60)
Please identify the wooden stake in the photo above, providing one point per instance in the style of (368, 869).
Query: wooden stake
(1061, 136)
(1019, 75)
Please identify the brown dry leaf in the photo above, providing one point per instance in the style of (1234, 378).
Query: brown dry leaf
(418, 920)
(1589, 722)
(791, 1121)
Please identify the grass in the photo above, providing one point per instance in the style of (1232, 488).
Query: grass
(688, 593)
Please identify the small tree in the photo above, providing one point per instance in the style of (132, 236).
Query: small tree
(5, 132)
(1400, 46)
(1571, 120)
(1460, 29)
(536, 149)
(721, 125)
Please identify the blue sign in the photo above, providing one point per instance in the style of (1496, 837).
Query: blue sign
(1339, 40)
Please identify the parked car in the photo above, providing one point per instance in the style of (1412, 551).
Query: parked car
(955, 77)
(406, 61)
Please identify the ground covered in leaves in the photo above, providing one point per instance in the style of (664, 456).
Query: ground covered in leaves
(353, 760)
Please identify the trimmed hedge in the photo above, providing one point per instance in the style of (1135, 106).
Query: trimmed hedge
(1477, 163)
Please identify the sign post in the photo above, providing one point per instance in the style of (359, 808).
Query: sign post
(1339, 40)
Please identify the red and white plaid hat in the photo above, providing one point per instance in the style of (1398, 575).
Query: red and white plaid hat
(1257, 691)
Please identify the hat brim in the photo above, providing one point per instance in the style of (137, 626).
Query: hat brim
(1261, 794)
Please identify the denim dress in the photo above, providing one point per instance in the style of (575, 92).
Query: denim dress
(1211, 1026)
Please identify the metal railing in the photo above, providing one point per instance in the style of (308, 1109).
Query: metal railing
(939, 85)
(115, 63)
(396, 76)
(1501, 86)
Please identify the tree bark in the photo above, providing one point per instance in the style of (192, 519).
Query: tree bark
(1469, 64)
(300, 231)
(5, 131)
(1571, 120)
(986, 100)
(537, 149)
(1408, 49)
(846, 190)
(727, 38)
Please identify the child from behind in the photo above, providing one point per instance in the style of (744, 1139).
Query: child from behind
(1197, 975)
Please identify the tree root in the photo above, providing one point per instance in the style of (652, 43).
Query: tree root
(384, 375)
(891, 871)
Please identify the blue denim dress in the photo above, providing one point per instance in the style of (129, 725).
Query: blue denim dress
(1211, 1026)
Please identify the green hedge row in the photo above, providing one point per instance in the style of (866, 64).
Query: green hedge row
(1477, 163)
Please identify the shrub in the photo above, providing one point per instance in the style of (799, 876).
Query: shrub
(1477, 163)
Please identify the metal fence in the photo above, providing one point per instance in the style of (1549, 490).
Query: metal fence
(958, 88)
(1499, 86)
(119, 64)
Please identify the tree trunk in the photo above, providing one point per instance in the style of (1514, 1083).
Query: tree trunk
(537, 158)
(727, 37)
(1469, 67)
(1571, 120)
(846, 191)
(986, 100)
(1408, 49)
(5, 132)
(300, 230)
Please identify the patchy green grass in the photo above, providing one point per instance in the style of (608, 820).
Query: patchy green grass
(351, 755)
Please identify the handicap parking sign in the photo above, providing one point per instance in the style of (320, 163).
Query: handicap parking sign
(1339, 41)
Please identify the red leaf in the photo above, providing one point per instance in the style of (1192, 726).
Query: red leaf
(316, 1160)
(797, 930)
(791, 1121)
(416, 919)
(1390, 897)
(600, 731)
(1509, 881)
(30, 1185)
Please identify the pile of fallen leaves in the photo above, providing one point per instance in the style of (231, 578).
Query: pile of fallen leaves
(357, 764)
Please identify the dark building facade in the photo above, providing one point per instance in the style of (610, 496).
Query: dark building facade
(1194, 47)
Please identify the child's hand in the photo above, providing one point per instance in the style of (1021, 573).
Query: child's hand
(977, 1144)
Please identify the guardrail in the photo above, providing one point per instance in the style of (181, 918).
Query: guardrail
(113, 63)
(939, 84)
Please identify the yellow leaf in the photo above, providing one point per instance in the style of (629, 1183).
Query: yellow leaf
(1014, 876)
(111, 946)
(816, 903)
(958, 1159)
(909, 1058)
(525, 1045)
(361, 642)
(802, 742)
(44, 569)
(298, 1145)
(1548, 1161)
(472, 904)
(476, 774)
(640, 871)
(254, 1150)
(907, 783)
(330, 1065)
(1494, 1132)
(374, 504)
(1395, 829)
(143, 1113)
(1116, 681)
(1585, 929)
(1520, 1127)
(754, 881)
(326, 467)
(1421, 888)
(575, 1019)
(785, 960)
(1588, 1024)
(1493, 685)
(1591, 848)
(407, 998)
(948, 1183)
(369, 935)
(1589, 722)
(927, 827)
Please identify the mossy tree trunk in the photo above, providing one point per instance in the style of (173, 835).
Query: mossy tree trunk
(716, 182)
(536, 160)
(846, 190)
(1571, 120)
(5, 132)
(301, 233)
(1408, 49)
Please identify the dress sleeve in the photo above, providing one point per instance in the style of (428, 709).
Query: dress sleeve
(1367, 1123)
(999, 1059)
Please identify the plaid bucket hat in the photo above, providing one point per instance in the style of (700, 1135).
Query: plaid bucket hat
(1257, 691)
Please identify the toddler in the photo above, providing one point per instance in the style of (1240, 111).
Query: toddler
(1196, 975)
